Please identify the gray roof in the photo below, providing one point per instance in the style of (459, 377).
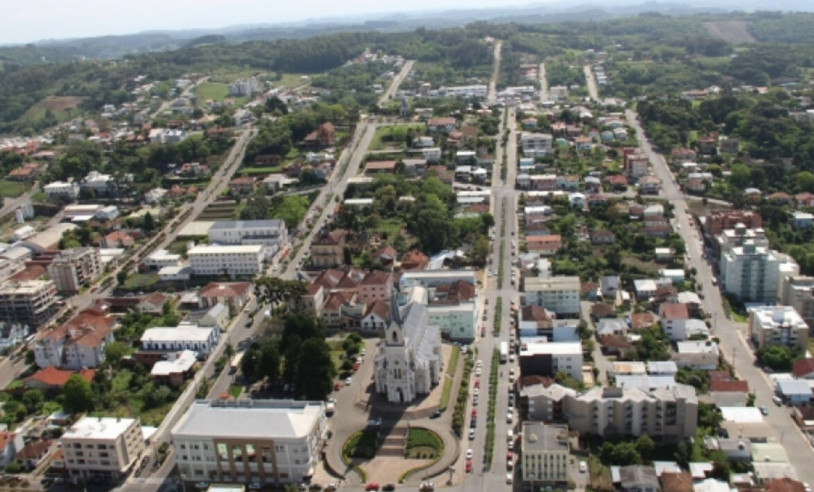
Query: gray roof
(538, 436)
(638, 475)
(662, 366)
(609, 326)
(421, 336)
(242, 224)
(274, 419)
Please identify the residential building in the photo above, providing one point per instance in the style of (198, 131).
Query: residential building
(408, 362)
(175, 367)
(697, 354)
(200, 339)
(797, 291)
(716, 222)
(542, 399)
(102, 448)
(673, 318)
(244, 87)
(53, 379)
(559, 294)
(377, 285)
(254, 441)
(546, 245)
(270, 233)
(62, 190)
(328, 249)
(232, 294)
(638, 478)
(161, 258)
(79, 343)
(242, 186)
(545, 452)
(536, 144)
(99, 183)
(666, 414)
(753, 273)
(75, 268)
(777, 325)
(30, 302)
(549, 358)
(227, 260)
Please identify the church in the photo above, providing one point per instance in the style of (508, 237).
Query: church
(409, 361)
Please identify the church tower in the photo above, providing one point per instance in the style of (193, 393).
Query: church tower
(395, 332)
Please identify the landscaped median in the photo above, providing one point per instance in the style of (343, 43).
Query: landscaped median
(449, 378)
(422, 444)
(458, 417)
(498, 315)
(489, 444)
(362, 444)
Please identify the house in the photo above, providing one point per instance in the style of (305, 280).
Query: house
(443, 124)
(217, 315)
(618, 345)
(33, 454)
(640, 321)
(794, 391)
(242, 186)
(78, 343)
(656, 231)
(545, 245)
(649, 185)
(603, 236)
(375, 167)
(645, 288)
(801, 220)
(663, 254)
(175, 367)
(610, 326)
(601, 310)
(676, 482)
(376, 316)
(803, 369)
(117, 239)
(328, 249)
(53, 378)
(153, 303)
(804, 199)
(638, 478)
(697, 354)
(232, 294)
(616, 182)
(414, 260)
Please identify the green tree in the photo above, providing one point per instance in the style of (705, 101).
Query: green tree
(269, 362)
(115, 352)
(645, 445)
(778, 357)
(741, 176)
(314, 379)
(148, 223)
(33, 400)
(77, 394)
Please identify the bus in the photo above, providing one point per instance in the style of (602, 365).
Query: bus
(504, 352)
(234, 366)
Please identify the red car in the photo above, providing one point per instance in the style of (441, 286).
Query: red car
(477, 383)
(337, 386)
(372, 486)
(468, 466)
(474, 413)
(508, 455)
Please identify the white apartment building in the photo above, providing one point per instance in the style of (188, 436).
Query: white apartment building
(61, 189)
(75, 268)
(476, 90)
(545, 452)
(753, 273)
(536, 144)
(98, 182)
(229, 260)
(270, 233)
(103, 448)
(777, 325)
(161, 258)
(697, 354)
(559, 294)
(457, 321)
(244, 87)
(665, 414)
(184, 337)
(249, 441)
(549, 358)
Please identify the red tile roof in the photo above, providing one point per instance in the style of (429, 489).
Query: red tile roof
(802, 367)
(676, 482)
(376, 277)
(641, 320)
(729, 386)
(31, 272)
(379, 308)
(225, 289)
(89, 328)
(783, 485)
(677, 310)
(52, 376)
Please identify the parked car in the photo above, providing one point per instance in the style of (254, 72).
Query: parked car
(372, 486)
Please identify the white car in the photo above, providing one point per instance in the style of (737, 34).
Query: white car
(509, 418)
(477, 372)
(509, 478)
(471, 434)
(479, 364)
(583, 466)
(469, 454)
(348, 380)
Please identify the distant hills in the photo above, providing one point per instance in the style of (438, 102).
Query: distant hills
(117, 46)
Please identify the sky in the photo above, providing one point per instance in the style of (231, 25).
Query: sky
(24, 21)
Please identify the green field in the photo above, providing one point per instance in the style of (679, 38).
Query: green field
(390, 227)
(62, 108)
(393, 137)
(141, 280)
(422, 444)
(260, 170)
(211, 90)
(12, 189)
(290, 81)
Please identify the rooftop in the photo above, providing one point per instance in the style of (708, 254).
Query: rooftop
(280, 419)
(103, 428)
(538, 436)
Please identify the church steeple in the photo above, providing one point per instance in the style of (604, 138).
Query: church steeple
(395, 332)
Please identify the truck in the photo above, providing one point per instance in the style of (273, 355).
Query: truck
(234, 366)
(504, 352)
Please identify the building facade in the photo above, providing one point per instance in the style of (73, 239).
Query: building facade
(753, 273)
(777, 325)
(328, 249)
(797, 291)
(549, 358)
(559, 295)
(231, 260)
(545, 452)
(270, 233)
(249, 441)
(102, 448)
(31, 302)
(74, 269)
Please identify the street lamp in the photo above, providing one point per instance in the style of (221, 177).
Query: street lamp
(531, 479)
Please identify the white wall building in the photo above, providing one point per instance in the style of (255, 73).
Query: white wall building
(545, 452)
(229, 260)
(250, 441)
(102, 448)
(184, 337)
(559, 294)
(549, 358)
(536, 144)
(777, 325)
(270, 233)
(61, 189)
(753, 273)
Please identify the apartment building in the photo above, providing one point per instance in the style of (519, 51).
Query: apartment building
(738, 236)
(226, 260)
(777, 325)
(559, 295)
(102, 448)
(549, 358)
(79, 343)
(328, 249)
(62, 190)
(536, 144)
(753, 273)
(249, 441)
(31, 302)
(665, 414)
(545, 452)
(270, 233)
(541, 402)
(75, 268)
(797, 291)
(716, 222)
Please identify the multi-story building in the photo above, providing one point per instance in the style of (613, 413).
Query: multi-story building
(665, 414)
(716, 222)
(636, 165)
(797, 291)
(232, 294)
(376, 286)
(738, 236)
(777, 325)
(162, 258)
(328, 249)
(31, 302)
(97, 182)
(226, 260)
(244, 87)
(270, 233)
(753, 273)
(545, 452)
(536, 144)
(249, 441)
(544, 403)
(559, 295)
(201, 339)
(75, 268)
(102, 448)
(62, 189)
(549, 358)
(79, 343)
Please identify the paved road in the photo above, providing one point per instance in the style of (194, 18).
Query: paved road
(541, 76)
(491, 96)
(590, 81)
(396, 82)
(732, 335)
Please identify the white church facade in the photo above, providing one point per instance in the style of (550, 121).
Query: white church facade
(409, 361)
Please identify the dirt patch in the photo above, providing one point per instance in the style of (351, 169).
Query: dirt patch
(60, 103)
(734, 32)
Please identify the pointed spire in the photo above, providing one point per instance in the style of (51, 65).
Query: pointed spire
(395, 314)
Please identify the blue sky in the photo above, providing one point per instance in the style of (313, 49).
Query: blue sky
(23, 21)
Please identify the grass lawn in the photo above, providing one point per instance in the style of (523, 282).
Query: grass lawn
(392, 137)
(248, 171)
(600, 475)
(178, 247)
(390, 228)
(211, 90)
(444, 403)
(62, 107)
(12, 189)
(235, 391)
(361, 445)
(453, 360)
(141, 280)
(290, 81)
(423, 444)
